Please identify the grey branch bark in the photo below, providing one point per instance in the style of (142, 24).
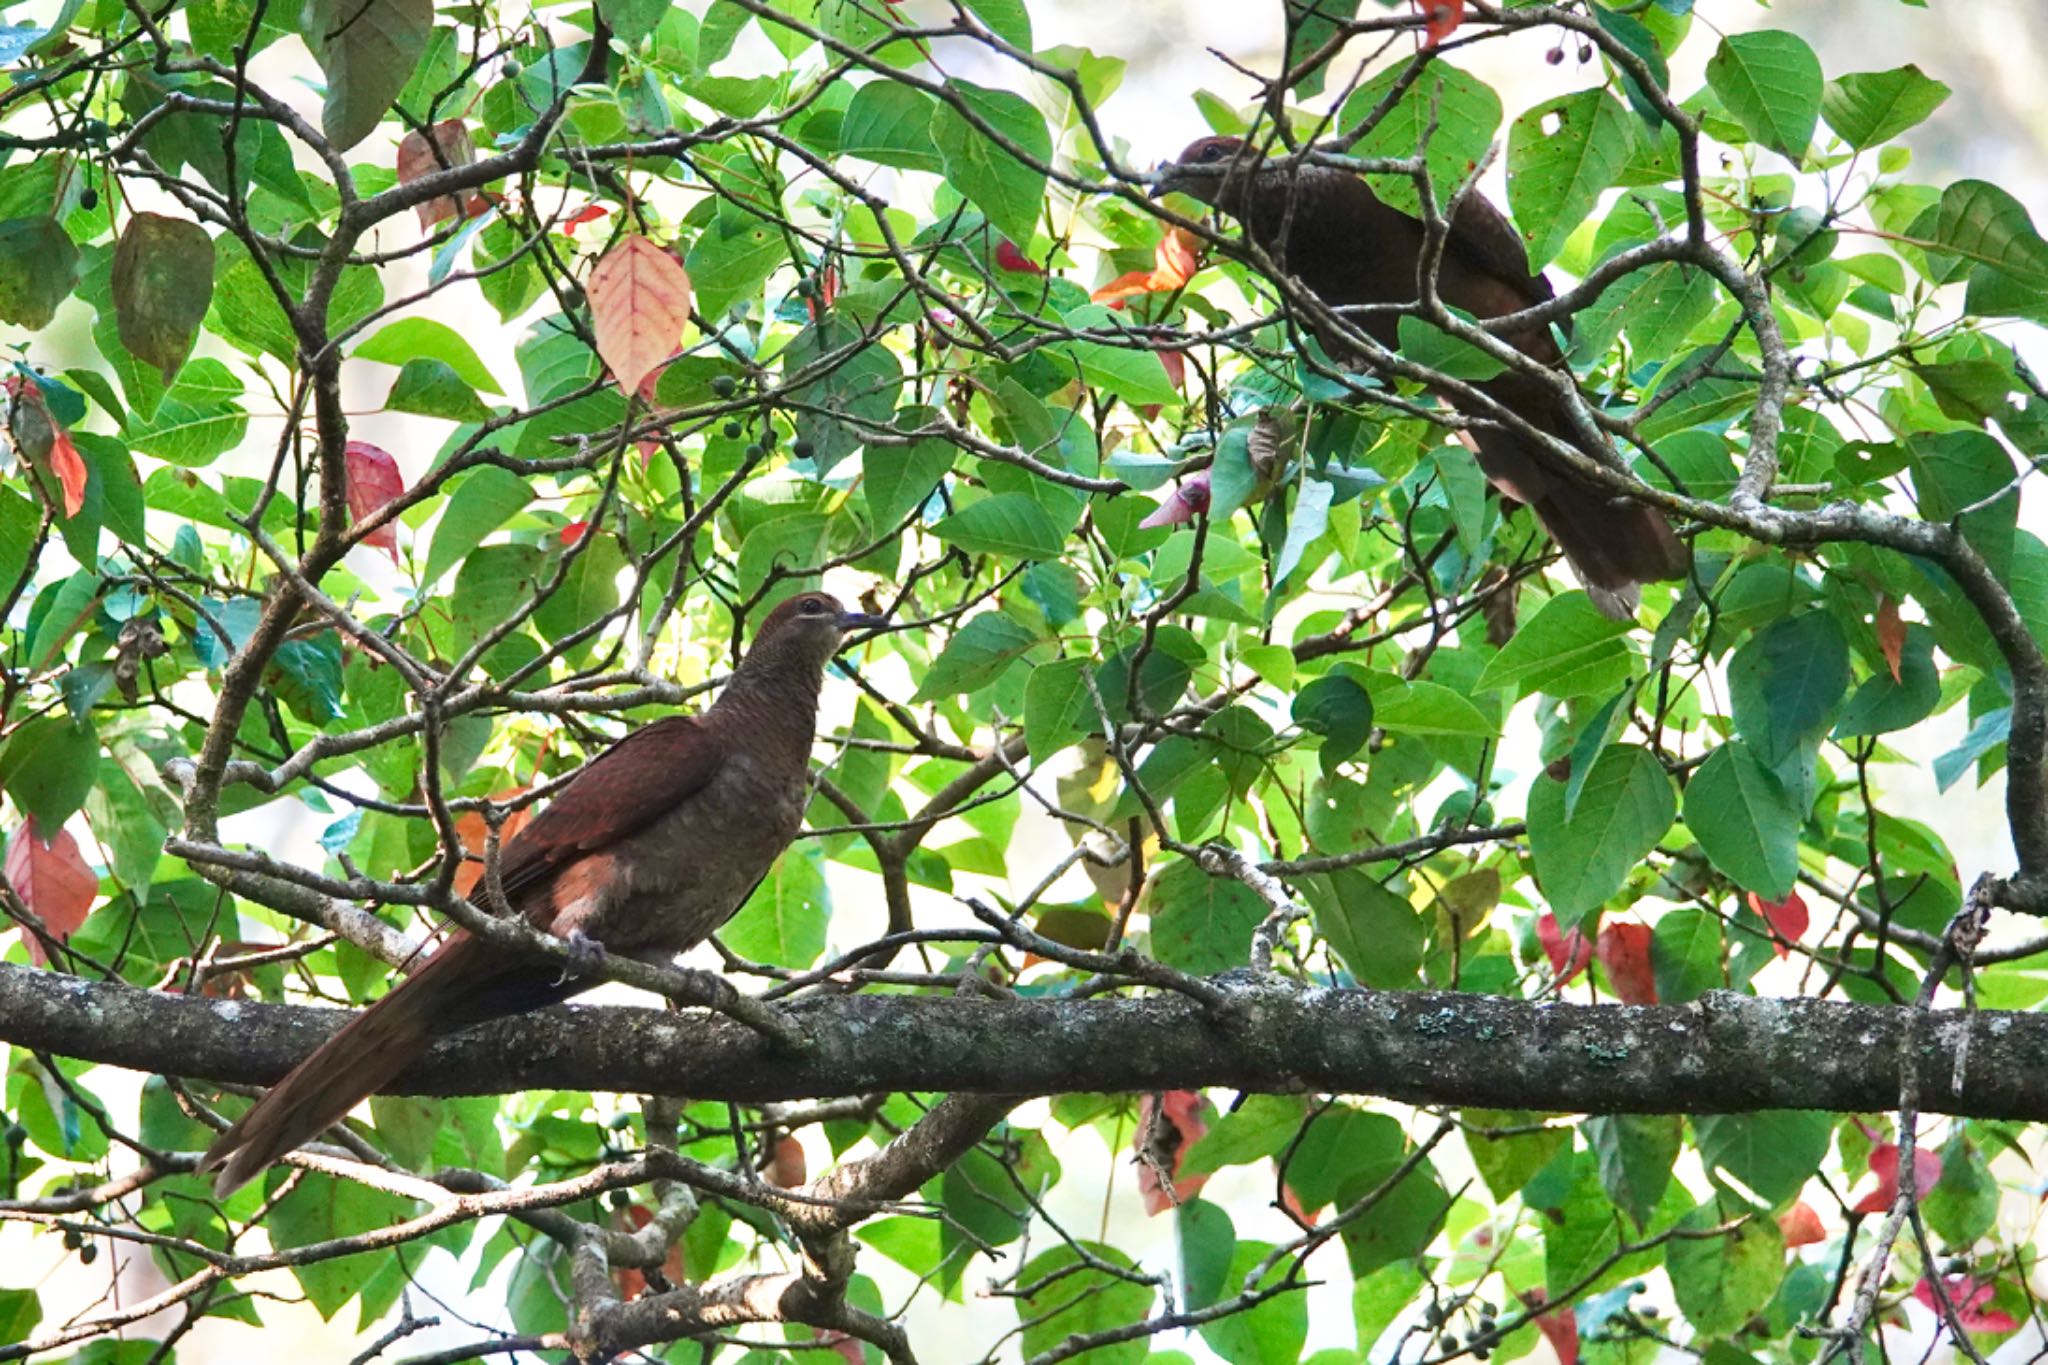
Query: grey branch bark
(1724, 1053)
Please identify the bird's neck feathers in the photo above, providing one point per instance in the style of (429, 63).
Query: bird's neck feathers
(775, 689)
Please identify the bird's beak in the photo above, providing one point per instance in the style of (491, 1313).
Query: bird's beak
(1162, 182)
(850, 621)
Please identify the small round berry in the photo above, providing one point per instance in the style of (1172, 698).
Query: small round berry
(724, 385)
(755, 452)
(89, 199)
(733, 431)
(803, 449)
(89, 1253)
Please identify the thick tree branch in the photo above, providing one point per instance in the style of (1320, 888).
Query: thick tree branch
(1722, 1054)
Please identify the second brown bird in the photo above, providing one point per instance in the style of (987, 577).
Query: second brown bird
(1327, 228)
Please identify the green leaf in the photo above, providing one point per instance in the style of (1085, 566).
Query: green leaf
(38, 266)
(852, 378)
(1207, 1244)
(1746, 823)
(1073, 1299)
(323, 1209)
(1721, 1282)
(1377, 934)
(425, 339)
(1057, 708)
(1868, 107)
(1982, 223)
(991, 177)
(1201, 924)
(976, 655)
(1785, 684)
(784, 921)
(1456, 110)
(1626, 807)
(896, 480)
(48, 766)
(1263, 1126)
(891, 124)
(432, 388)
(1425, 708)
(1339, 710)
(481, 501)
(1772, 1153)
(367, 49)
(1506, 1163)
(1771, 83)
(1569, 648)
(1967, 475)
(162, 283)
(1131, 373)
(1685, 955)
(1561, 155)
(1425, 344)
(1308, 519)
(1273, 1332)
(1963, 1205)
(306, 675)
(1880, 705)
(1636, 1153)
(1013, 524)
(198, 420)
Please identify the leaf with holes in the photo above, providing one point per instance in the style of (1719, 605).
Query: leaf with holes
(639, 303)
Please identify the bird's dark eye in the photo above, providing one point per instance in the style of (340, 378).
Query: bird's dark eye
(1215, 151)
(813, 606)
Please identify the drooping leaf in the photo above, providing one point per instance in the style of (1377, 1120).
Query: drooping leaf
(373, 480)
(367, 49)
(639, 305)
(162, 286)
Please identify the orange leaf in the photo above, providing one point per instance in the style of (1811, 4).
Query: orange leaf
(1891, 634)
(1801, 1225)
(69, 469)
(786, 1168)
(1123, 287)
(1168, 1125)
(447, 144)
(52, 880)
(1441, 19)
(471, 828)
(373, 480)
(639, 302)
(1787, 918)
(1176, 259)
(1624, 950)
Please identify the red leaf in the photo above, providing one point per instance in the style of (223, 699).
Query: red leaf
(1624, 950)
(1176, 365)
(1293, 1203)
(373, 480)
(1568, 953)
(786, 1168)
(1884, 1164)
(69, 469)
(589, 213)
(1168, 1125)
(1560, 1327)
(1801, 1225)
(639, 302)
(1182, 504)
(1969, 1298)
(444, 146)
(1787, 917)
(573, 532)
(1891, 633)
(1441, 19)
(52, 880)
(1011, 259)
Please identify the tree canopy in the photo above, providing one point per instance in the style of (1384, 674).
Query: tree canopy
(1253, 901)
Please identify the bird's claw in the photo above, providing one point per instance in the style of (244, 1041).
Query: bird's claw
(586, 956)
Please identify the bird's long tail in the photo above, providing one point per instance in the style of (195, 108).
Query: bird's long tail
(1614, 545)
(466, 982)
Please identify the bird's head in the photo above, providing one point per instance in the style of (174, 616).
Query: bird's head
(1202, 166)
(808, 628)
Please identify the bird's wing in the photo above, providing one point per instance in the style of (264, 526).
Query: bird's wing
(1483, 238)
(619, 793)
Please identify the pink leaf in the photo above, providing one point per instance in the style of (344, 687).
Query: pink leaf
(1624, 950)
(1183, 504)
(639, 302)
(52, 880)
(1568, 953)
(1891, 633)
(373, 480)
(444, 146)
(1884, 1164)
(1787, 918)
(1015, 261)
(1970, 1299)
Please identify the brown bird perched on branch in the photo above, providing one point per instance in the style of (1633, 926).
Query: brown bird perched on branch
(1326, 227)
(645, 853)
